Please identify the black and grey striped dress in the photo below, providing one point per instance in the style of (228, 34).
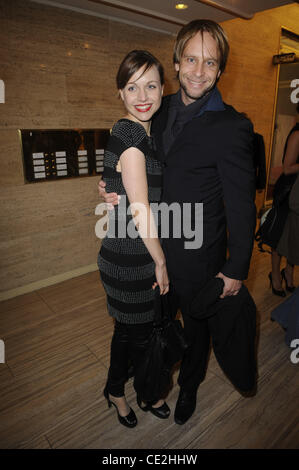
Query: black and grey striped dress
(126, 267)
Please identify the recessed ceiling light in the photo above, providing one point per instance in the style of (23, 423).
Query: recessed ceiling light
(181, 6)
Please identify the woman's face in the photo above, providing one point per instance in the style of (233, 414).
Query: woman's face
(142, 95)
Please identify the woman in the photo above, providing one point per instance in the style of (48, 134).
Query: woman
(132, 264)
(288, 245)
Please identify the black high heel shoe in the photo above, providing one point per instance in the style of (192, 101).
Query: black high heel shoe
(280, 293)
(162, 412)
(288, 288)
(129, 421)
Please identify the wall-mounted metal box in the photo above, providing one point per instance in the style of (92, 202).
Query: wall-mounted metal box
(56, 154)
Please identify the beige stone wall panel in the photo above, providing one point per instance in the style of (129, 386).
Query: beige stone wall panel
(59, 70)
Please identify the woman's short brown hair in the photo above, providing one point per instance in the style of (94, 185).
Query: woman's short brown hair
(133, 61)
(199, 26)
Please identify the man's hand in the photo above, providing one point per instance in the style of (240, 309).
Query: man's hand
(231, 286)
(111, 199)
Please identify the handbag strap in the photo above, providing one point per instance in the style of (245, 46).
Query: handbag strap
(157, 306)
(160, 306)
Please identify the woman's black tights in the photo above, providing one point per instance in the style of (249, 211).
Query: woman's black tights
(127, 346)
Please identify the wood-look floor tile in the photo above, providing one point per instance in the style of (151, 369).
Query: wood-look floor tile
(257, 422)
(214, 397)
(40, 442)
(100, 429)
(70, 294)
(65, 329)
(20, 301)
(56, 389)
(100, 340)
(23, 318)
(287, 438)
(36, 376)
(57, 351)
(6, 375)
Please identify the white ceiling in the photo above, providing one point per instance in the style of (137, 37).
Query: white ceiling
(161, 15)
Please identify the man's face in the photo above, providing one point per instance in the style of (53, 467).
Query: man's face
(199, 67)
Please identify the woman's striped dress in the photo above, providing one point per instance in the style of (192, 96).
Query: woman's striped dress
(126, 267)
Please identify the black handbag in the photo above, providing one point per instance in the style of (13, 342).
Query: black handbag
(273, 221)
(166, 346)
(271, 226)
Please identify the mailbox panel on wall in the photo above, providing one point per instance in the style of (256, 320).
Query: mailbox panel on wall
(57, 154)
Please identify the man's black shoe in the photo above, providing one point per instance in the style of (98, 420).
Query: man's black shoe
(185, 407)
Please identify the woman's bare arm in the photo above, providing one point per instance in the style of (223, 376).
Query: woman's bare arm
(134, 179)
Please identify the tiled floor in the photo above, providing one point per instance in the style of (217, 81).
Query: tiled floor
(57, 353)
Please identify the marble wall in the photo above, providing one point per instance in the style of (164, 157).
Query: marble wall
(59, 71)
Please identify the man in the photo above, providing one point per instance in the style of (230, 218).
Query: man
(206, 147)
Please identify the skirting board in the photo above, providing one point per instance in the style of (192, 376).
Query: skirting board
(47, 282)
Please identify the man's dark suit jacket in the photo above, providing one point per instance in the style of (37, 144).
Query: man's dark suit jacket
(211, 162)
